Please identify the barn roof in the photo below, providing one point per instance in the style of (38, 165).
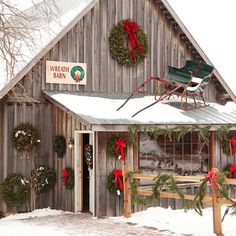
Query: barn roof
(101, 109)
(69, 13)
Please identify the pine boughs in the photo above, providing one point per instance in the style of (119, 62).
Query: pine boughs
(43, 179)
(120, 51)
(59, 145)
(25, 137)
(15, 190)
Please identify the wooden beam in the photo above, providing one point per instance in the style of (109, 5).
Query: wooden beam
(127, 193)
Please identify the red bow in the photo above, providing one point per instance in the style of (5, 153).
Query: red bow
(231, 170)
(212, 178)
(131, 28)
(232, 146)
(120, 146)
(118, 174)
(65, 175)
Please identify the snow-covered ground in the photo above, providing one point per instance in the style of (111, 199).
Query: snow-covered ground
(153, 221)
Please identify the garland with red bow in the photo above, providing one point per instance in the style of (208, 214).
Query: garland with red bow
(68, 177)
(115, 182)
(212, 178)
(128, 32)
(232, 170)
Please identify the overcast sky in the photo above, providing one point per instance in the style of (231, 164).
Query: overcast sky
(212, 23)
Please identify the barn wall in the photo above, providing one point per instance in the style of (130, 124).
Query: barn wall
(108, 204)
(88, 42)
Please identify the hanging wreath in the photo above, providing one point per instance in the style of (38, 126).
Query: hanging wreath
(43, 179)
(68, 177)
(88, 155)
(115, 182)
(59, 145)
(15, 190)
(116, 148)
(25, 137)
(128, 43)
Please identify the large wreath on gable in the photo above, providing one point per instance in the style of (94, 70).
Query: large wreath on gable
(43, 179)
(25, 137)
(128, 43)
(15, 189)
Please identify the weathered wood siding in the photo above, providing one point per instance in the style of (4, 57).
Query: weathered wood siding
(108, 204)
(88, 42)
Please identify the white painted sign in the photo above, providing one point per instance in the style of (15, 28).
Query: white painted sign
(58, 72)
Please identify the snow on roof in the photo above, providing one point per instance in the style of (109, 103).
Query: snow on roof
(98, 109)
(213, 31)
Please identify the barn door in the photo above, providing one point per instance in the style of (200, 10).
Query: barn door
(84, 178)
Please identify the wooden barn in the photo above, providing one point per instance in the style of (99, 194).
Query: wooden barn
(83, 110)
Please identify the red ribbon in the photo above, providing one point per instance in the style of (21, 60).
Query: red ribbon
(212, 179)
(120, 147)
(65, 175)
(232, 146)
(131, 29)
(118, 174)
(231, 170)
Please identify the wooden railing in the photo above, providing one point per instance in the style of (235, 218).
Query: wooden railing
(214, 198)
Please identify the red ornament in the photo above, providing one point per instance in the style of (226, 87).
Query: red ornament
(65, 175)
(131, 28)
(231, 170)
(120, 147)
(232, 146)
(212, 179)
(118, 174)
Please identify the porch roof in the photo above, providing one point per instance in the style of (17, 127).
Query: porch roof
(100, 109)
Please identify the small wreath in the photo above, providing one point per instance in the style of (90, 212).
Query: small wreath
(112, 150)
(68, 177)
(119, 38)
(115, 182)
(43, 179)
(15, 190)
(77, 73)
(25, 137)
(88, 155)
(59, 145)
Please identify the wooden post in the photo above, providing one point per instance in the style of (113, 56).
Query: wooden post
(127, 194)
(216, 205)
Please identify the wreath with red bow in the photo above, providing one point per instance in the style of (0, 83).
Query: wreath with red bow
(115, 182)
(117, 148)
(128, 43)
(68, 178)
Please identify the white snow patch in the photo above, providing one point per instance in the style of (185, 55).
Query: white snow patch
(181, 222)
(36, 213)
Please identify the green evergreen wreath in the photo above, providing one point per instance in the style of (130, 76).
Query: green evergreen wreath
(68, 177)
(111, 148)
(59, 145)
(25, 137)
(111, 186)
(119, 38)
(15, 190)
(43, 179)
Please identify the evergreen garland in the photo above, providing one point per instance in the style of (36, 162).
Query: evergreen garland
(118, 39)
(25, 137)
(43, 179)
(15, 190)
(59, 145)
(224, 136)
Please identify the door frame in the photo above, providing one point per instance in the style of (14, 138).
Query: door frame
(78, 158)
